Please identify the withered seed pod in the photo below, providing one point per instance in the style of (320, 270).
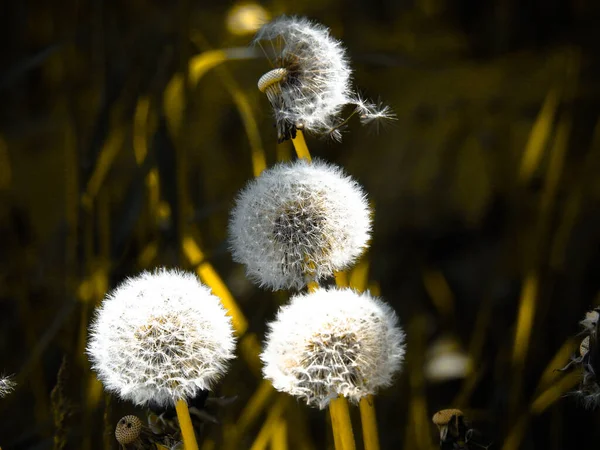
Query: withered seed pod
(128, 430)
(584, 347)
(449, 422)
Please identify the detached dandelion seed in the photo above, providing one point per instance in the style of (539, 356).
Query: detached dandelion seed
(299, 222)
(159, 338)
(311, 82)
(333, 342)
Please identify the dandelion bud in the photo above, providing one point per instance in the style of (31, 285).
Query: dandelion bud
(160, 337)
(333, 342)
(128, 430)
(299, 222)
(311, 82)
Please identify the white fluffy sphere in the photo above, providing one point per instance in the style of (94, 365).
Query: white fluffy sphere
(299, 222)
(160, 337)
(314, 75)
(333, 342)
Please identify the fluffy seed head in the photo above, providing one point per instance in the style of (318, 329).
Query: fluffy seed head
(7, 385)
(317, 84)
(160, 337)
(128, 430)
(333, 342)
(299, 222)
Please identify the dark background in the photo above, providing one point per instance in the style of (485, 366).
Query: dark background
(486, 193)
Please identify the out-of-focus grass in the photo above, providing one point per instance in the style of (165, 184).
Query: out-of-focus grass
(126, 130)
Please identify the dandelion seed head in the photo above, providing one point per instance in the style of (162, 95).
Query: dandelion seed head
(333, 342)
(160, 337)
(7, 385)
(299, 222)
(313, 80)
(317, 85)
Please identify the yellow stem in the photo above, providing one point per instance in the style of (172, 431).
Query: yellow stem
(300, 146)
(341, 279)
(341, 424)
(185, 423)
(369, 423)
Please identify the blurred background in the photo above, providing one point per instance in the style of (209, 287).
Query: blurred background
(126, 129)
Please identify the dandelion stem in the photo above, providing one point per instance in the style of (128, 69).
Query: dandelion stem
(341, 279)
(369, 423)
(300, 146)
(185, 423)
(341, 424)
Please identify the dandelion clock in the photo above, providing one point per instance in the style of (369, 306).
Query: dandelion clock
(311, 81)
(159, 339)
(299, 222)
(333, 342)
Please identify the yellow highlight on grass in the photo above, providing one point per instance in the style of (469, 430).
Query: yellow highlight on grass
(259, 162)
(538, 137)
(525, 319)
(109, 152)
(209, 275)
(185, 423)
(140, 120)
(266, 432)
(554, 392)
(197, 68)
(279, 440)
(257, 403)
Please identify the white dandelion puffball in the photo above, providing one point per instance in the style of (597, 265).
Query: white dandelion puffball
(7, 385)
(160, 337)
(311, 81)
(333, 342)
(299, 222)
